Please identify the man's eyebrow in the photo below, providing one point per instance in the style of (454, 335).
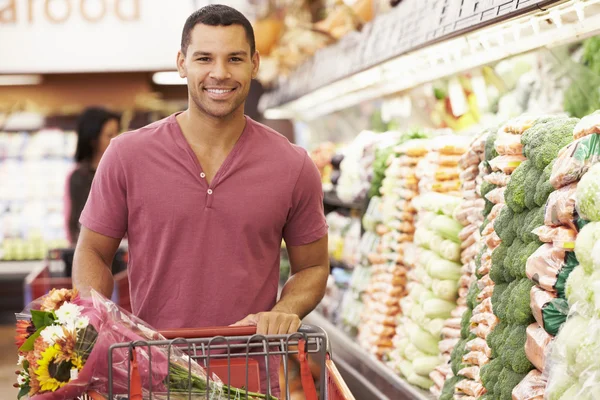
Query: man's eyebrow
(200, 53)
(232, 54)
(238, 53)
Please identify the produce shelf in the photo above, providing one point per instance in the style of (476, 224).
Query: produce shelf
(331, 199)
(366, 377)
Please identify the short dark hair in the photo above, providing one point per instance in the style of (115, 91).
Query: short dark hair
(89, 127)
(217, 15)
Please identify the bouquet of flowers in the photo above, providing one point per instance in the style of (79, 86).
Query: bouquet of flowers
(63, 342)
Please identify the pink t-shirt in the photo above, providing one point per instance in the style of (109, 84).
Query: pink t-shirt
(203, 255)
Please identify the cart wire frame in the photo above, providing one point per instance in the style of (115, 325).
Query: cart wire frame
(312, 340)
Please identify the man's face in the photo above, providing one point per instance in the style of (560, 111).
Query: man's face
(219, 68)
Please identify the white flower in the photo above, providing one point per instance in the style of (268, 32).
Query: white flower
(52, 333)
(82, 322)
(21, 379)
(68, 313)
(20, 362)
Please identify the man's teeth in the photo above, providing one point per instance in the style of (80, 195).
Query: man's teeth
(219, 91)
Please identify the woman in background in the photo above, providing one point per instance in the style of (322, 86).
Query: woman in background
(95, 128)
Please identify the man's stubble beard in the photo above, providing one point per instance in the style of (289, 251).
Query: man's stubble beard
(206, 110)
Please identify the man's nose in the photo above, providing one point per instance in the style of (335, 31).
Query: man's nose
(220, 71)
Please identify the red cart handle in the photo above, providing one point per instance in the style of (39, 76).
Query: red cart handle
(203, 333)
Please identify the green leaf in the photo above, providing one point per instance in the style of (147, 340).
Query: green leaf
(24, 391)
(28, 345)
(42, 319)
(26, 365)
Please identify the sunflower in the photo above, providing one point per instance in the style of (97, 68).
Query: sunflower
(24, 330)
(52, 374)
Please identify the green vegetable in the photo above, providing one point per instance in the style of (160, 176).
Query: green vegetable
(438, 308)
(519, 263)
(579, 292)
(486, 187)
(511, 256)
(513, 350)
(496, 339)
(448, 390)
(531, 180)
(379, 167)
(544, 188)
(487, 209)
(561, 283)
(547, 139)
(423, 340)
(457, 354)
(582, 96)
(411, 352)
(503, 225)
(444, 269)
(515, 190)
(507, 381)
(490, 373)
(445, 289)
(554, 315)
(586, 239)
(472, 295)
(424, 365)
(490, 149)
(500, 307)
(447, 227)
(498, 256)
(534, 219)
(465, 323)
(588, 195)
(518, 307)
(420, 381)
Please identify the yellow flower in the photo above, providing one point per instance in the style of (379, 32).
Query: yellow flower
(53, 375)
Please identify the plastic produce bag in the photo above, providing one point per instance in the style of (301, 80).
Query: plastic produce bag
(471, 372)
(532, 387)
(588, 125)
(574, 160)
(496, 196)
(588, 195)
(471, 388)
(560, 208)
(544, 266)
(507, 164)
(497, 178)
(508, 144)
(536, 345)
(559, 236)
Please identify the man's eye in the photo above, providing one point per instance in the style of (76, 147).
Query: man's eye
(203, 59)
(236, 59)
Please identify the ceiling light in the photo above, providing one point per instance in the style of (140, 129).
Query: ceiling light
(168, 78)
(20, 80)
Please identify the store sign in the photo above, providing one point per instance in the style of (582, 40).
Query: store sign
(62, 36)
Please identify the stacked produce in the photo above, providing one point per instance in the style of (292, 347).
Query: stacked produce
(573, 365)
(470, 214)
(391, 262)
(433, 283)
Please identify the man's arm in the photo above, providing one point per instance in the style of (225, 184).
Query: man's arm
(301, 294)
(92, 263)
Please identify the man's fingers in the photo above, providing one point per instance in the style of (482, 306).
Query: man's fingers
(295, 325)
(284, 327)
(250, 320)
(262, 328)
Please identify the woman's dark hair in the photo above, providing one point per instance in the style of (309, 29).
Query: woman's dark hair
(89, 126)
(217, 15)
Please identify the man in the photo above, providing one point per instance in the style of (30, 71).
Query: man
(205, 198)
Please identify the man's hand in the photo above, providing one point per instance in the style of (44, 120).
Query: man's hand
(272, 323)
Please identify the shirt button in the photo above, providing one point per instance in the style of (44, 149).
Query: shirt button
(209, 191)
(202, 175)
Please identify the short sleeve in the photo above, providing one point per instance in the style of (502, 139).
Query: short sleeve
(105, 211)
(306, 220)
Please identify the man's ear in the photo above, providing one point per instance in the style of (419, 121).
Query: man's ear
(181, 64)
(255, 64)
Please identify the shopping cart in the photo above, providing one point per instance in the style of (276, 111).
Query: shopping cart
(233, 354)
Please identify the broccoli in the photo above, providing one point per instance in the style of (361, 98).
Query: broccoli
(511, 255)
(496, 339)
(458, 352)
(507, 380)
(521, 225)
(513, 350)
(531, 180)
(502, 222)
(544, 188)
(553, 136)
(498, 256)
(534, 219)
(519, 263)
(448, 390)
(487, 209)
(465, 323)
(490, 373)
(490, 149)
(500, 307)
(515, 190)
(472, 295)
(518, 306)
(486, 187)
(478, 262)
(534, 129)
(485, 222)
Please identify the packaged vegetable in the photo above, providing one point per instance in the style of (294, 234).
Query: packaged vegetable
(450, 186)
(447, 227)
(544, 266)
(508, 144)
(559, 236)
(438, 380)
(507, 164)
(520, 124)
(479, 344)
(588, 195)
(425, 365)
(438, 308)
(476, 358)
(549, 311)
(446, 174)
(496, 196)
(584, 245)
(446, 345)
(560, 208)
(445, 289)
(420, 381)
(470, 388)
(422, 340)
(532, 387)
(497, 178)
(470, 173)
(471, 372)
(588, 125)
(574, 160)
(466, 232)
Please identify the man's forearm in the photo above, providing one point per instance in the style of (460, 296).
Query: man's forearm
(304, 291)
(90, 271)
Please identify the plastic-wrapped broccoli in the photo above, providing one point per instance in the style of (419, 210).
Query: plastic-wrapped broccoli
(490, 149)
(518, 308)
(465, 323)
(515, 190)
(553, 136)
(544, 188)
(456, 357)
(498, 256)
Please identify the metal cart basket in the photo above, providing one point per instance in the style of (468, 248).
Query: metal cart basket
(235, 354)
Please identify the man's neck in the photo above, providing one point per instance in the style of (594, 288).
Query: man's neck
(207, 132)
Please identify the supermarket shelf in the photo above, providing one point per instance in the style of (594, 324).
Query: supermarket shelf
(366, 377)
(425, 46)
(18, 267)
(339, 264)
(332, 199)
